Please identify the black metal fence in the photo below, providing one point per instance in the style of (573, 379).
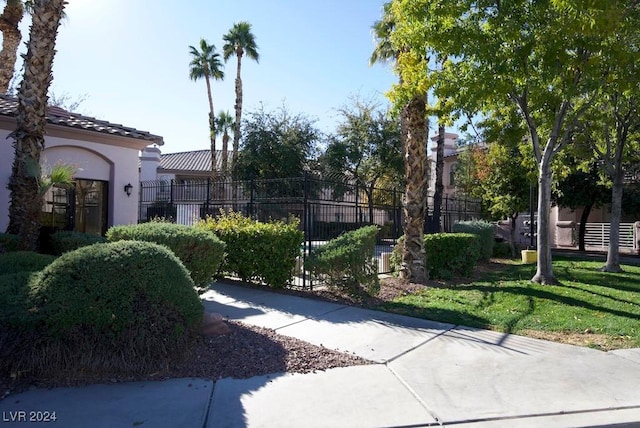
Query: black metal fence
(325, 208)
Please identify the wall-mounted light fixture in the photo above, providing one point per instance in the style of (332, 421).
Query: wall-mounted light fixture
(127, 189)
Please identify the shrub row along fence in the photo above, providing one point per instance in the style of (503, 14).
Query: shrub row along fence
(326, 208)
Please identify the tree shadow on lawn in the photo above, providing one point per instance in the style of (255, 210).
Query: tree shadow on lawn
(548, 295)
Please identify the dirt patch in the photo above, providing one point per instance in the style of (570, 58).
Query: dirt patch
(590, 340)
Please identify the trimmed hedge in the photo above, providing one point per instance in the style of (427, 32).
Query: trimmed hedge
(14, 299)
(116, 307)
(9, 242)
(201, 252)
(64, 241)
(485, 231)
(446, 254)
(24, 261)
(259, 252)
(346, 262)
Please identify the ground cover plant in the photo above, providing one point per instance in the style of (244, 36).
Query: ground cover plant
(596, 309)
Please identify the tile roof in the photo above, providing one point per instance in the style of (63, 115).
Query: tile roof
(197, 160)
(59, 116)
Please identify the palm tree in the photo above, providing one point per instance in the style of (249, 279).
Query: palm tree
(206, 63)
(414, 132)
(11, 37)
(26, 203)
(224, 122)
(239, 41)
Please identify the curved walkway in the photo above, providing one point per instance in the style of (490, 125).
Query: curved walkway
(427, 374)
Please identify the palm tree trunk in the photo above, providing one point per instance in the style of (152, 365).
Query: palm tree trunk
(437, 196)
(212, 130)
(225, 153)
(238, 108)
(26, 203)
(236, 126)
(11, 37)
(413, 257)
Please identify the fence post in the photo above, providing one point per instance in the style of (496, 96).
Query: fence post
(305, 227)
(251, 197)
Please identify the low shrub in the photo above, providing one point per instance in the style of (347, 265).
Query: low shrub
(502, 250)
(24, 261)
(201, 252)
(9, 242)
(484, 230)
(116, 307)
(256, 251)
(346, 262)
(451, 254)
(446, 254)
(64, 241)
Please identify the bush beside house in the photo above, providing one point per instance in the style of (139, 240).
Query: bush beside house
(114, 307)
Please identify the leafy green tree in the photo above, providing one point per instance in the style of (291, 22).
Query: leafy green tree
(26, 203)
(276, 145)
(581, 188)
(541, 56)
(366, 149)
(239, 41)
(498, 174)
(205, 63)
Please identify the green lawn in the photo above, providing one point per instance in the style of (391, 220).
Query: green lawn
(603, 309)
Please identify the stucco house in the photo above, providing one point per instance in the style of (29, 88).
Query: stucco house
(106, 158)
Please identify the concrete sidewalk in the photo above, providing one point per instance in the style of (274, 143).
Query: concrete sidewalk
(428, 374)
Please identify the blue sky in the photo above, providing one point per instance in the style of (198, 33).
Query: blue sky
(131, 59)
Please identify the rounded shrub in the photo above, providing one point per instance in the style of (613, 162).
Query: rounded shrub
(64, 241)
(24, 261)
(15, 299)
(126, 306)
(200, 251)
(9, 242)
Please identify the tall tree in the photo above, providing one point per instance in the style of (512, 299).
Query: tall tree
(365, 149)
(11, 37)
(224, 122)
(411, 105)
(205, 63)
(239, 41)
(26, 203)
(275, 145)
(540, 56)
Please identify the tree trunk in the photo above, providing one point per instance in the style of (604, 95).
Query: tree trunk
(512, 234)
(415, 157)
(212, 131)
(439, 188)
(583, 225)
(11, 37)
(26, 203)
(225, 153)
(544, 272)
(613, 255)
(238, 108)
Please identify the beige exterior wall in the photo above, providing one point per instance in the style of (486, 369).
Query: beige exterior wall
(98, 156)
